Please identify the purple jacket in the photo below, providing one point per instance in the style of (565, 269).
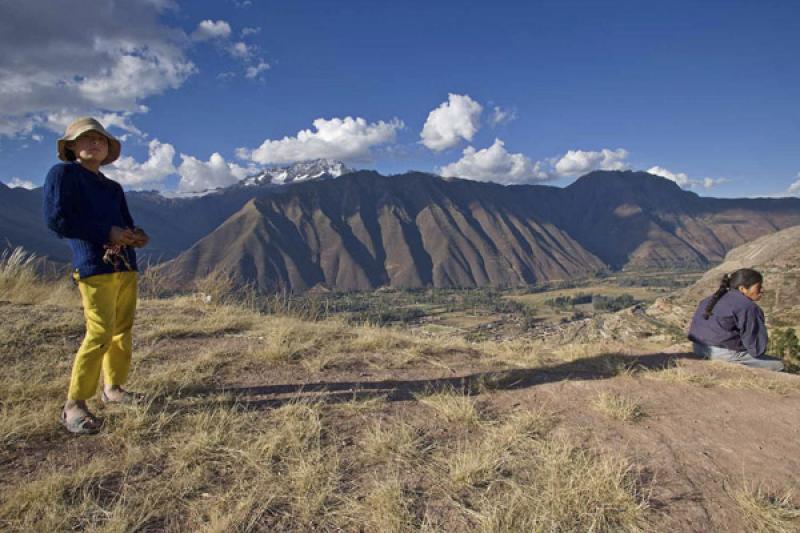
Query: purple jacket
(736, 323)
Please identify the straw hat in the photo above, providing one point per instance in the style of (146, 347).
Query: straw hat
(82, 125)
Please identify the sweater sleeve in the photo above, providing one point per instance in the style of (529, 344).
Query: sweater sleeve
(753, 330)
(62, 212)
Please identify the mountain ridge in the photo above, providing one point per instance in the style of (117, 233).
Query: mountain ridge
(439, 231)
(367, 230)
(453, 227)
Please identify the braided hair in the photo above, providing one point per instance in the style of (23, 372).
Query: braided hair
(744, 277)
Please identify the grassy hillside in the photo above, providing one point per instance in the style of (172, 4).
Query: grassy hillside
(272, 422)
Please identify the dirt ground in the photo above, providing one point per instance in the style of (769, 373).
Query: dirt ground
(694, 445)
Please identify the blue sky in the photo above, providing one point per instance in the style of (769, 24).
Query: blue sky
(204, 93)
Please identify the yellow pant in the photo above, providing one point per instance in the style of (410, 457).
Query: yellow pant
(109, 305)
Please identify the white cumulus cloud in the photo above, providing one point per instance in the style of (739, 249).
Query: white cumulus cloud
(579, 162)
(349, 139)
(59, 121)
(713, 182)
(197, 175)
(221, 34)
(501, 116)
(19, 183)
(210, 29)
(253, 72)
(152, 172)
(496, 164)
(452, 121)
(125, 55)
(680, 178)
(240, 50)
(683, 179)
(794, 188)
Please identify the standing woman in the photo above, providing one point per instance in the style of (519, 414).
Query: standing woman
(729, 325)
(88, 209)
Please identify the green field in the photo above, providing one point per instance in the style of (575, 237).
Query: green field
(643, 294)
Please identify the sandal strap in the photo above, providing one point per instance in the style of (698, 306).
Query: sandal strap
(84, 423)
(128, 397)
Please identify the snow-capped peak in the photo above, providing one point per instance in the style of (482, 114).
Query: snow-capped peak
(304, 171)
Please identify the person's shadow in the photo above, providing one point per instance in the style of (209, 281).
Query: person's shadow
(602, 366)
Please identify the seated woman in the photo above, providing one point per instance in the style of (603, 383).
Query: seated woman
(729, 325)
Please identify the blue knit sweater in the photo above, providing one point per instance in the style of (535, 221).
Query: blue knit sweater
(736, 323)
(82, 206)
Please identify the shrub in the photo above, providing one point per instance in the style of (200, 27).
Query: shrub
(784, 343)
(611, 304)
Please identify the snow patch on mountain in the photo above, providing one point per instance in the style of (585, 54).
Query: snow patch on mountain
(304, 171)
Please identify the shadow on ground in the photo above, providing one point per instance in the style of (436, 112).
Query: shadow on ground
(602, 366)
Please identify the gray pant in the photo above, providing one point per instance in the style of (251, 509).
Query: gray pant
(717, 353)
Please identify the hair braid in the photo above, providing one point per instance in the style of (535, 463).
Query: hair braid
(724, 286)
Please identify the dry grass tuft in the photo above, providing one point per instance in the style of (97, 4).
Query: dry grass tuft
(384, 506)
(764, 512)
(183, 317)
(20, 282)
(753, 381)
(719, 374)
(452, 406)
(316, 345)
(565, 488)
(27, 419)
(217, 287)
(470, 464)
(576, 351)
(370, 339)
(492, 451)
(359, 406)
(163, 375)
(619, 407)
(17, 271)
(383, 442)
(334, 343)
(678, 373)
(520, 353)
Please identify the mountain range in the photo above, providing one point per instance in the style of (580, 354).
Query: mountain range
(299, 229)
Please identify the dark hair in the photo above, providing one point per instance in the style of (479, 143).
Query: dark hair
(69, 155)
(744, 277)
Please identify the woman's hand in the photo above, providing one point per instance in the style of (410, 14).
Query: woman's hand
(141, 238)
(121, 236)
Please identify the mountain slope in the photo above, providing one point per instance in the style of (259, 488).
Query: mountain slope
(638, 220)
(22, 224)
(365, 230)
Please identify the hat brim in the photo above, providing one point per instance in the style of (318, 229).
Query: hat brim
(114, 146)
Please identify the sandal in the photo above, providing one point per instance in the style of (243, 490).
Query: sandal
(85, 424)
(128, 398)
